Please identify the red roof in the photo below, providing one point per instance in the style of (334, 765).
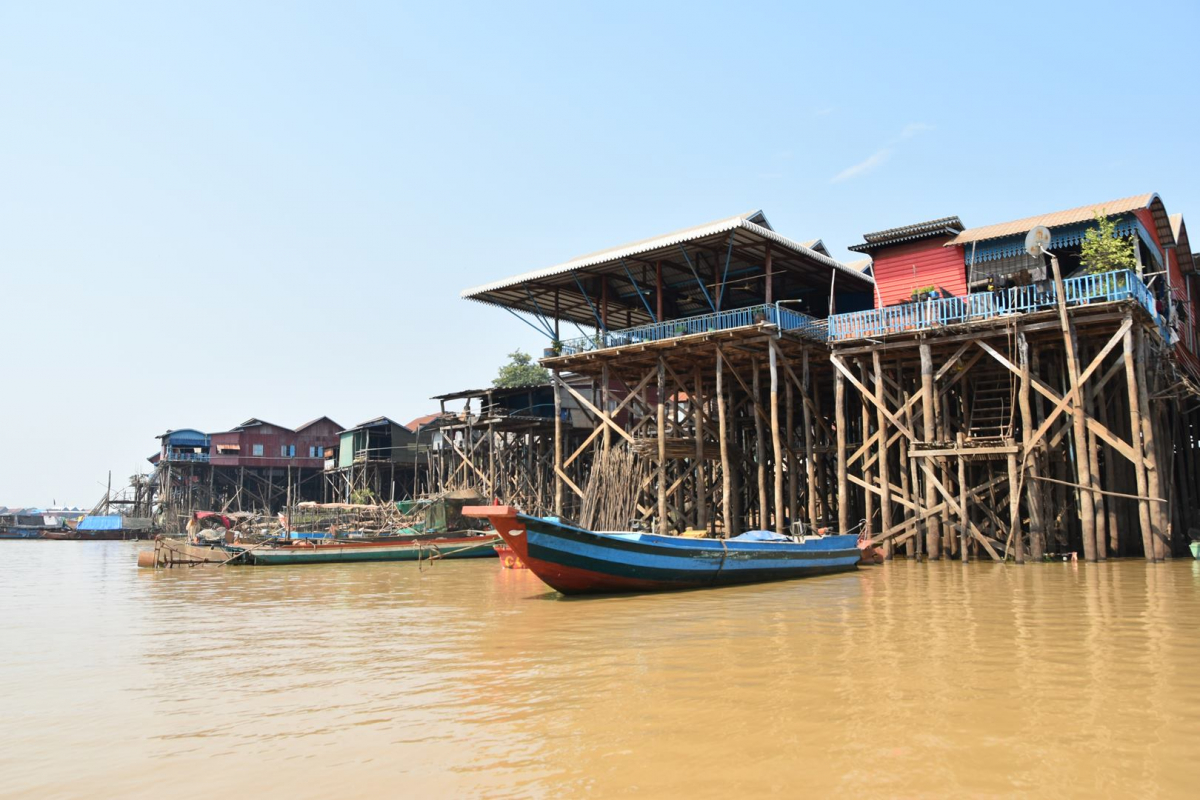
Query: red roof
(421, 421)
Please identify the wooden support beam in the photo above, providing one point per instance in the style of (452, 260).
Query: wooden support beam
(663, 520)
(760, 445)
(875, 399)
(885, 500)
(776, 444)
(809, 459)
(933, 530)
(558, 439)
(723, 428)
(1030, 460)
(843, 490)
(600, 415)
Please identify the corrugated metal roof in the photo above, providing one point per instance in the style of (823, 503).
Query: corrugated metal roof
(944, 226)
(1183, 248)
(754, 222)
(1053, 219)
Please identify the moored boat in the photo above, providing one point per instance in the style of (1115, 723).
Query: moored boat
(325, 551)
(508, 557)
(577, 561)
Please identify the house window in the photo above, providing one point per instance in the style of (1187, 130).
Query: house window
(312, 452)
(287, 450)
(256, 450)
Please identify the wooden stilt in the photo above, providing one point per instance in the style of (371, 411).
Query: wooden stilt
(933, 532)
(776, 444)
(810, 480)
(558, 448)
(663, 521)
(726, 463)
(1033, 489)
(839, 402)
(885, 484)
(1153, 484)
(760, 446)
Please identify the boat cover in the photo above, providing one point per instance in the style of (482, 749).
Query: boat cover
(760, 536)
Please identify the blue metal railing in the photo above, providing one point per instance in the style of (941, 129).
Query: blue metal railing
(784, 318)
(982, 306)
(185, 455)
(1102, 287)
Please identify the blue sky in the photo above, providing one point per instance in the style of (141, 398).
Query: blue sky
(269, 209)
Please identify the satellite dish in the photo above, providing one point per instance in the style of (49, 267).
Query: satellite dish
(1037, 241)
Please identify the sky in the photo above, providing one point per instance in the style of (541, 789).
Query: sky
(211, 212)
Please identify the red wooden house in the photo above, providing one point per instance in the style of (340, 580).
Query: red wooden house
(257, 443)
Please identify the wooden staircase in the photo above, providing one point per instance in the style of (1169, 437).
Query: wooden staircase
(990, 412)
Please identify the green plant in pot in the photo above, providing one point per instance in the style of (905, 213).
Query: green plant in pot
(1102, 250)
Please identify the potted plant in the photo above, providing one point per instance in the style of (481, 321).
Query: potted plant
(555, 349)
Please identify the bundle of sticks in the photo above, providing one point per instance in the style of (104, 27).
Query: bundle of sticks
(610, 498)
(677, 447)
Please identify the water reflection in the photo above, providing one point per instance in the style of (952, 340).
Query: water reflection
(375, 679)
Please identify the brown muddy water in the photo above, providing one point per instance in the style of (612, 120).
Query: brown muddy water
(379, 680)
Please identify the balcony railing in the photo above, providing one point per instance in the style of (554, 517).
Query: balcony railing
(785, 318)
(1102, 287)
(184, 455)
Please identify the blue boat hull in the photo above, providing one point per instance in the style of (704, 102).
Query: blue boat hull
(577, 561)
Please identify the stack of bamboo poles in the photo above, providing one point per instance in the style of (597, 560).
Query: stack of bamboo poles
(610, 501)
(677, 447)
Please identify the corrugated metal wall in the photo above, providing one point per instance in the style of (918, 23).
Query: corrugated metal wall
(904, 267)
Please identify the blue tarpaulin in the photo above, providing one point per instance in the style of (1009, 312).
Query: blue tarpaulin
(109, 523)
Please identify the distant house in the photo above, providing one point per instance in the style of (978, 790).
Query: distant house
(376, 440)
(185, 444)
(258, 443)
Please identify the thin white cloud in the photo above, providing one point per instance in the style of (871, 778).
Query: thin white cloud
(882, 154)
(913, 128)
(863, 167)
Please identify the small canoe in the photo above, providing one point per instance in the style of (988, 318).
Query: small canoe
(509, 558)
(577, 561)
(336, 551)
(1195, 548)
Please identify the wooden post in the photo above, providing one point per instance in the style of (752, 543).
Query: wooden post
(1153, 484)
(606, 405)
(1033, 488)
(1014, 506)
(839, 405)
(760, 446)
(658, 288)
(964, 516)
(768, 292)
(933, 531)
(869, 472)
(1094, 467)
(701, 462)
(663, 522)
(793, 467)
(1078, 408)
(885, 483)
(776, 444)
(558, 447)
(604, 303)
(723, 427)
(810, 481)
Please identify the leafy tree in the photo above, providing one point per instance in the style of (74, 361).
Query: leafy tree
(520, 371)
(1103, 251)
(362, 497)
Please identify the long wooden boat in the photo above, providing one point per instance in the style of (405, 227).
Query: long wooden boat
(577, 561)
(317, 551)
